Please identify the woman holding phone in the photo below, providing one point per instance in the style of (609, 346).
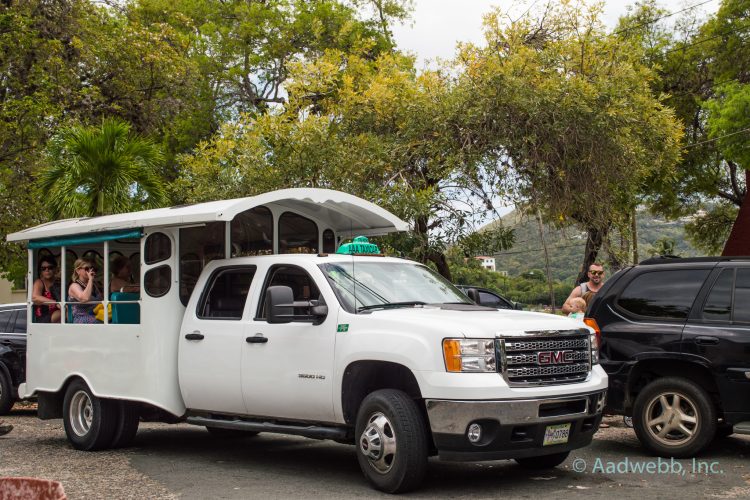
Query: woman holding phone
(83, 289)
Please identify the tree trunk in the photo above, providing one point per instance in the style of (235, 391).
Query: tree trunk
(438, 258)
(739, 239)
(546, 260)
(593, 244)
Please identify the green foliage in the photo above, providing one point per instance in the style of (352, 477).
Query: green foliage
(569, 112)
(567, 244)
(101, 170)
(531, 290)
(702, 66)
(709, 232)
(372, 128)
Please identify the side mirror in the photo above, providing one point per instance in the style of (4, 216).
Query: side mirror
(473, 295)
(279, 300)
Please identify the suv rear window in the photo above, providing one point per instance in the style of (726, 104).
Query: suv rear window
(663, 294)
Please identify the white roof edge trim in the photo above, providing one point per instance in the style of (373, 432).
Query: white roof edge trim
(361, 214)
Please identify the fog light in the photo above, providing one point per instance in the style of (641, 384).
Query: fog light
(474, 433)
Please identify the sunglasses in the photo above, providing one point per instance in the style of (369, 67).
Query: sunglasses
(596, 273)
(47, 268)
(88, 268)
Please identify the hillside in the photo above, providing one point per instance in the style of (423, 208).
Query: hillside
(566, 246)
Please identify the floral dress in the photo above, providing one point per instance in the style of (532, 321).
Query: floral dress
(84, 313)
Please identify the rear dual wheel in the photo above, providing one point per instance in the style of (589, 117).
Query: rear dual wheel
(93, 423)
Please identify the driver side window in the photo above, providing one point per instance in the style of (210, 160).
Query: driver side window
(302, 285)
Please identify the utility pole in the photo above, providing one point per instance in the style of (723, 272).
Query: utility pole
(546, 260)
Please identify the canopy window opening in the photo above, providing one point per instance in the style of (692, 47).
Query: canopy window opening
(252, 233)
(199, 245)
(297, 234)
(61, 292)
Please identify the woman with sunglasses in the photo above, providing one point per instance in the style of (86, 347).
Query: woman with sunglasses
(45, 293)
(84, 289)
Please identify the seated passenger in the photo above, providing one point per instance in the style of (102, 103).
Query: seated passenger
(122, 279)
(83, 289)
(46, 292)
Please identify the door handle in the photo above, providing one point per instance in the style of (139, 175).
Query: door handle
(706, 340)
(257, 339)
(196, 335)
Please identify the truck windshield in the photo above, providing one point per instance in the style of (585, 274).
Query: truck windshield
(374, 285)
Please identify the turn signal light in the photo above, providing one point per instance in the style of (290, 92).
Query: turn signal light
(452, 355)
(593, 324)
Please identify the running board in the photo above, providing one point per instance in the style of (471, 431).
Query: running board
(742, 428)
(310, 431)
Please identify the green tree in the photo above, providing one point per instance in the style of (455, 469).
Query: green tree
(701, 67)
(373, 128)
(101, 170)
(569, 112)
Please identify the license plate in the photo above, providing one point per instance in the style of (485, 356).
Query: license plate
(556, 434)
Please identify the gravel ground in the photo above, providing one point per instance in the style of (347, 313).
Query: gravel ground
(186, 462)
(38, 448)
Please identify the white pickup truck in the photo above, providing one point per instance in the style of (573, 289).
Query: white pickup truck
(373, 351)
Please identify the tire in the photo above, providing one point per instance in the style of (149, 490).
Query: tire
(668, 433)
(221, 433)
(392, 441)
(7, 398)
(544, 461)
(128, 418)
(90, 422)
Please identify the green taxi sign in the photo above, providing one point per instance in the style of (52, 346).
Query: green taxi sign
(359, 246)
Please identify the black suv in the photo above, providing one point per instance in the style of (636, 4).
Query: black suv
(676, 345)
(12, 353)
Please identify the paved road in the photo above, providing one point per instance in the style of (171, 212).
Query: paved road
(186, 462)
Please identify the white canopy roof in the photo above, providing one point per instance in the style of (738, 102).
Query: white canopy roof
(343, 212)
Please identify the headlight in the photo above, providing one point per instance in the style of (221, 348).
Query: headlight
(594, 348)
(469, 355)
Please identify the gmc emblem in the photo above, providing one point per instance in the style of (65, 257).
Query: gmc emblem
(555, 357)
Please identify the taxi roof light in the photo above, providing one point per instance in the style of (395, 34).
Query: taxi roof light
(359, 246)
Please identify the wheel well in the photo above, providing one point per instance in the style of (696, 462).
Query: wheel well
(50, 404)
(647, 371)
(363, 377)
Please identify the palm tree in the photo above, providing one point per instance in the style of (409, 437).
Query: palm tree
(101, 170)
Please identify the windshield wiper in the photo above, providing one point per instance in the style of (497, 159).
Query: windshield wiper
(389, 305)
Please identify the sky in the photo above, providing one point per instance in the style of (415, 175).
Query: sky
(437, 25)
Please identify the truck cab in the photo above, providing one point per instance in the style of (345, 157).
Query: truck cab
(254, 315)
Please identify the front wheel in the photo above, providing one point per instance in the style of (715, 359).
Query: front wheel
(90, 422)
(392, 441)
(543, 462)
(674, 417)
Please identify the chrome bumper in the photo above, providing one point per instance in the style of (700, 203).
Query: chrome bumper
(454, 417)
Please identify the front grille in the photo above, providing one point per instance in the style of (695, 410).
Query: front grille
(545, 358)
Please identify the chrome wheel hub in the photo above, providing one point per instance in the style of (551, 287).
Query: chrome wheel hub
(672, 419)
(81, 413)
(378, 443)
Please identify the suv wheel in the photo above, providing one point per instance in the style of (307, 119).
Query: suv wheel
(391, 441)
(6, 393)
(674, 417)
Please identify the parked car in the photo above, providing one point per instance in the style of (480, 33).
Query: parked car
(675, 342)
(12, 353)
(486, 297)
